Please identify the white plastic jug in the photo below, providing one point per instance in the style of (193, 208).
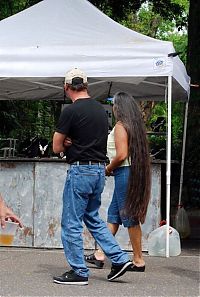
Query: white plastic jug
(157, 242)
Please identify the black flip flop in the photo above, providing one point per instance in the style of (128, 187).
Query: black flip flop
(92, 260)
(135, 268)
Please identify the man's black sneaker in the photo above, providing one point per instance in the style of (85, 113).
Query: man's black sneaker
(71, 278)
(118, 270)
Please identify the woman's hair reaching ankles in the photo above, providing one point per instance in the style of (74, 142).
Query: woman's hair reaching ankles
(128, 113)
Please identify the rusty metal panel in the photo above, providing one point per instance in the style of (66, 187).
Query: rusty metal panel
(153, 216)
(49, 184)
(16, 186)
(34, 191)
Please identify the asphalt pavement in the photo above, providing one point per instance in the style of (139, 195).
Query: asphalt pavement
(29, 272)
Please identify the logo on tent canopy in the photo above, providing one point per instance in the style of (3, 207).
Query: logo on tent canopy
(159, 63)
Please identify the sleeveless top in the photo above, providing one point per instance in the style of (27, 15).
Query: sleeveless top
(111, 150)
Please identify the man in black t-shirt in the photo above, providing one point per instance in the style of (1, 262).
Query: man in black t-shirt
(82, 134)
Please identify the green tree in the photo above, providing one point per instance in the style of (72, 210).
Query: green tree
(10, 7)
(118, 10)
(192, 161)
(168, 9)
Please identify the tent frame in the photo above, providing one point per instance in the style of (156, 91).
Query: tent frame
(168, 170)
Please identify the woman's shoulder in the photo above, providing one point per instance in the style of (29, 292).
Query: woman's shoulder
(119, 126)
(119, 123)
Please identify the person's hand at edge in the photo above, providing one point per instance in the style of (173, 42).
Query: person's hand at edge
(6, 213)
(10, 215)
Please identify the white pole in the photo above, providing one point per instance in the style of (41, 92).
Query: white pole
(168, 171)
(183, 152)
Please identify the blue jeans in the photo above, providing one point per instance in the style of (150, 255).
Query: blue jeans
(81, 201)
(116, 213)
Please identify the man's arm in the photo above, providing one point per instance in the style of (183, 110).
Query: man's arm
(58, 143)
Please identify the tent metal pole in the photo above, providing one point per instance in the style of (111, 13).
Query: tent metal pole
(183, 152)
(168, 171)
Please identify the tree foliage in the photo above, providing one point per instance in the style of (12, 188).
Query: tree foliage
(10, 7)
(118, 10)
(168, 9)
(24, 119)
(192, 164)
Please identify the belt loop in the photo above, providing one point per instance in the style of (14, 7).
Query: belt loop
(90, 163)
(77, 163)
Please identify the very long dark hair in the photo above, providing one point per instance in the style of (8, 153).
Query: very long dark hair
(128, 113)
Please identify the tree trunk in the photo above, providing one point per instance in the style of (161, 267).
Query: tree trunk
(192, 160)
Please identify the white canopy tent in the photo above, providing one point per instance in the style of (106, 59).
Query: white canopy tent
(39, 44)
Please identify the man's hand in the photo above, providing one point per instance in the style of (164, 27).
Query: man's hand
(67, 142)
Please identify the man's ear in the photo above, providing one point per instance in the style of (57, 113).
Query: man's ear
(66, 86)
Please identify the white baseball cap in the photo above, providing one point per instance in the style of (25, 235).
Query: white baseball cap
(75, 76)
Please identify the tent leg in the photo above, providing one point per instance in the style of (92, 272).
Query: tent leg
(168, 171)
(183, 152)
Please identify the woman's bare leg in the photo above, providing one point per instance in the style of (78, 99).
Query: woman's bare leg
(99, 254)
(113, 228)
(135, 235)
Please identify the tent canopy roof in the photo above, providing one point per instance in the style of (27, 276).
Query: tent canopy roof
(39, 44)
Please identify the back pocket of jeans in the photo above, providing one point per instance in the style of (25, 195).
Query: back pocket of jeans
(83, 184)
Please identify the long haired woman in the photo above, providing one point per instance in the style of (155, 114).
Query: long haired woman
(127, 149)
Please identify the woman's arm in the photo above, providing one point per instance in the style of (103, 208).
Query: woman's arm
(121, 145)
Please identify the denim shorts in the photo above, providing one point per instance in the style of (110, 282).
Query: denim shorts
(115, 211)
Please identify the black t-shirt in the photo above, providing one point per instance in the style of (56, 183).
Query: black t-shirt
(85, 122)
